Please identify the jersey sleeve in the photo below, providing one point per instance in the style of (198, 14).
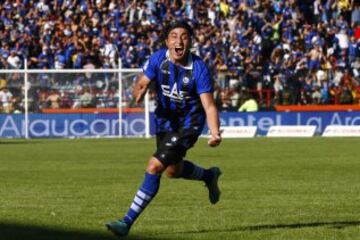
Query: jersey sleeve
(204, 82)
(149, 68)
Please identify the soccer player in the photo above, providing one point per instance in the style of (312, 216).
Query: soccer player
(184, 102)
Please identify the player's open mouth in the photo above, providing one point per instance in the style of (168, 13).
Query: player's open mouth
(179, 51)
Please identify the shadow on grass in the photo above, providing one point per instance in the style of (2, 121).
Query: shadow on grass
(10, 231)
(336, 225)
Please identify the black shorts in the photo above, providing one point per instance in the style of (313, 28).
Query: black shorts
(172, 146)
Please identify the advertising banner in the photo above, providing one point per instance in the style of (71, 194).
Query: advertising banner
(107, 124)
(341, 131)
(238, 132)
(291, 131)
(264, 120)
(72, 125)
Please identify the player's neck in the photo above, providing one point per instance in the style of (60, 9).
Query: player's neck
(183, 62)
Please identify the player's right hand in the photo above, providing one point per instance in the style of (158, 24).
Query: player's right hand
(140, 96)
(140, 88)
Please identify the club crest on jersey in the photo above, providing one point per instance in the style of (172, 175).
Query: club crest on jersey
(173, 93)
(186, 80)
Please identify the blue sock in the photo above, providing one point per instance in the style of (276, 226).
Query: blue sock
(194, 172)
(143, 197)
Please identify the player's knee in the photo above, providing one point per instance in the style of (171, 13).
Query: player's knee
(153, 169)
(172, 172)
(154, 166)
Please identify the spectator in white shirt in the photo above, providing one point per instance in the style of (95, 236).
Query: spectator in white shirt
(14, 60)
(6, 100)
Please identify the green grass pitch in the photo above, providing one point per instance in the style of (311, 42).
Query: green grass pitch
(271, 189)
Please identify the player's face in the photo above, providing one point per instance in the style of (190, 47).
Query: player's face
(178, 42)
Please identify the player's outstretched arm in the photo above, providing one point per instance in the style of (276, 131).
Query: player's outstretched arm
(141, 86)
(212, 117)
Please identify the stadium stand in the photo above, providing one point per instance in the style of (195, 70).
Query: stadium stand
(295, 52)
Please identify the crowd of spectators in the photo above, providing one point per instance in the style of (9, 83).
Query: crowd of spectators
(280, 51)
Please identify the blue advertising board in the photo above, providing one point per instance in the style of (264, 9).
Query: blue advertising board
(133, 124)
(71, 125)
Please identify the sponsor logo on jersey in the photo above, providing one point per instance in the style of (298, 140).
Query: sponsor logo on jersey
(173, 93)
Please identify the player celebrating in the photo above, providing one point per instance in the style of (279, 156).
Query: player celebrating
(184, 101)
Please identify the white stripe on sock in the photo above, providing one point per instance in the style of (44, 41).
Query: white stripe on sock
(136, 208)
(139, 201)
(143, 195)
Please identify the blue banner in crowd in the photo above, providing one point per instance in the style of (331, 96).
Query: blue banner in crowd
(94, 125)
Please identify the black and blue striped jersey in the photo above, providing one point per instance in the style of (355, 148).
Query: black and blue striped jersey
(178, 91)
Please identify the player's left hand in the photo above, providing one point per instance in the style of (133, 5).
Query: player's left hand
(215, 139)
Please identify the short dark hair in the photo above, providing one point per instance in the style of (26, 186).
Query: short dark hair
(178, 24)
